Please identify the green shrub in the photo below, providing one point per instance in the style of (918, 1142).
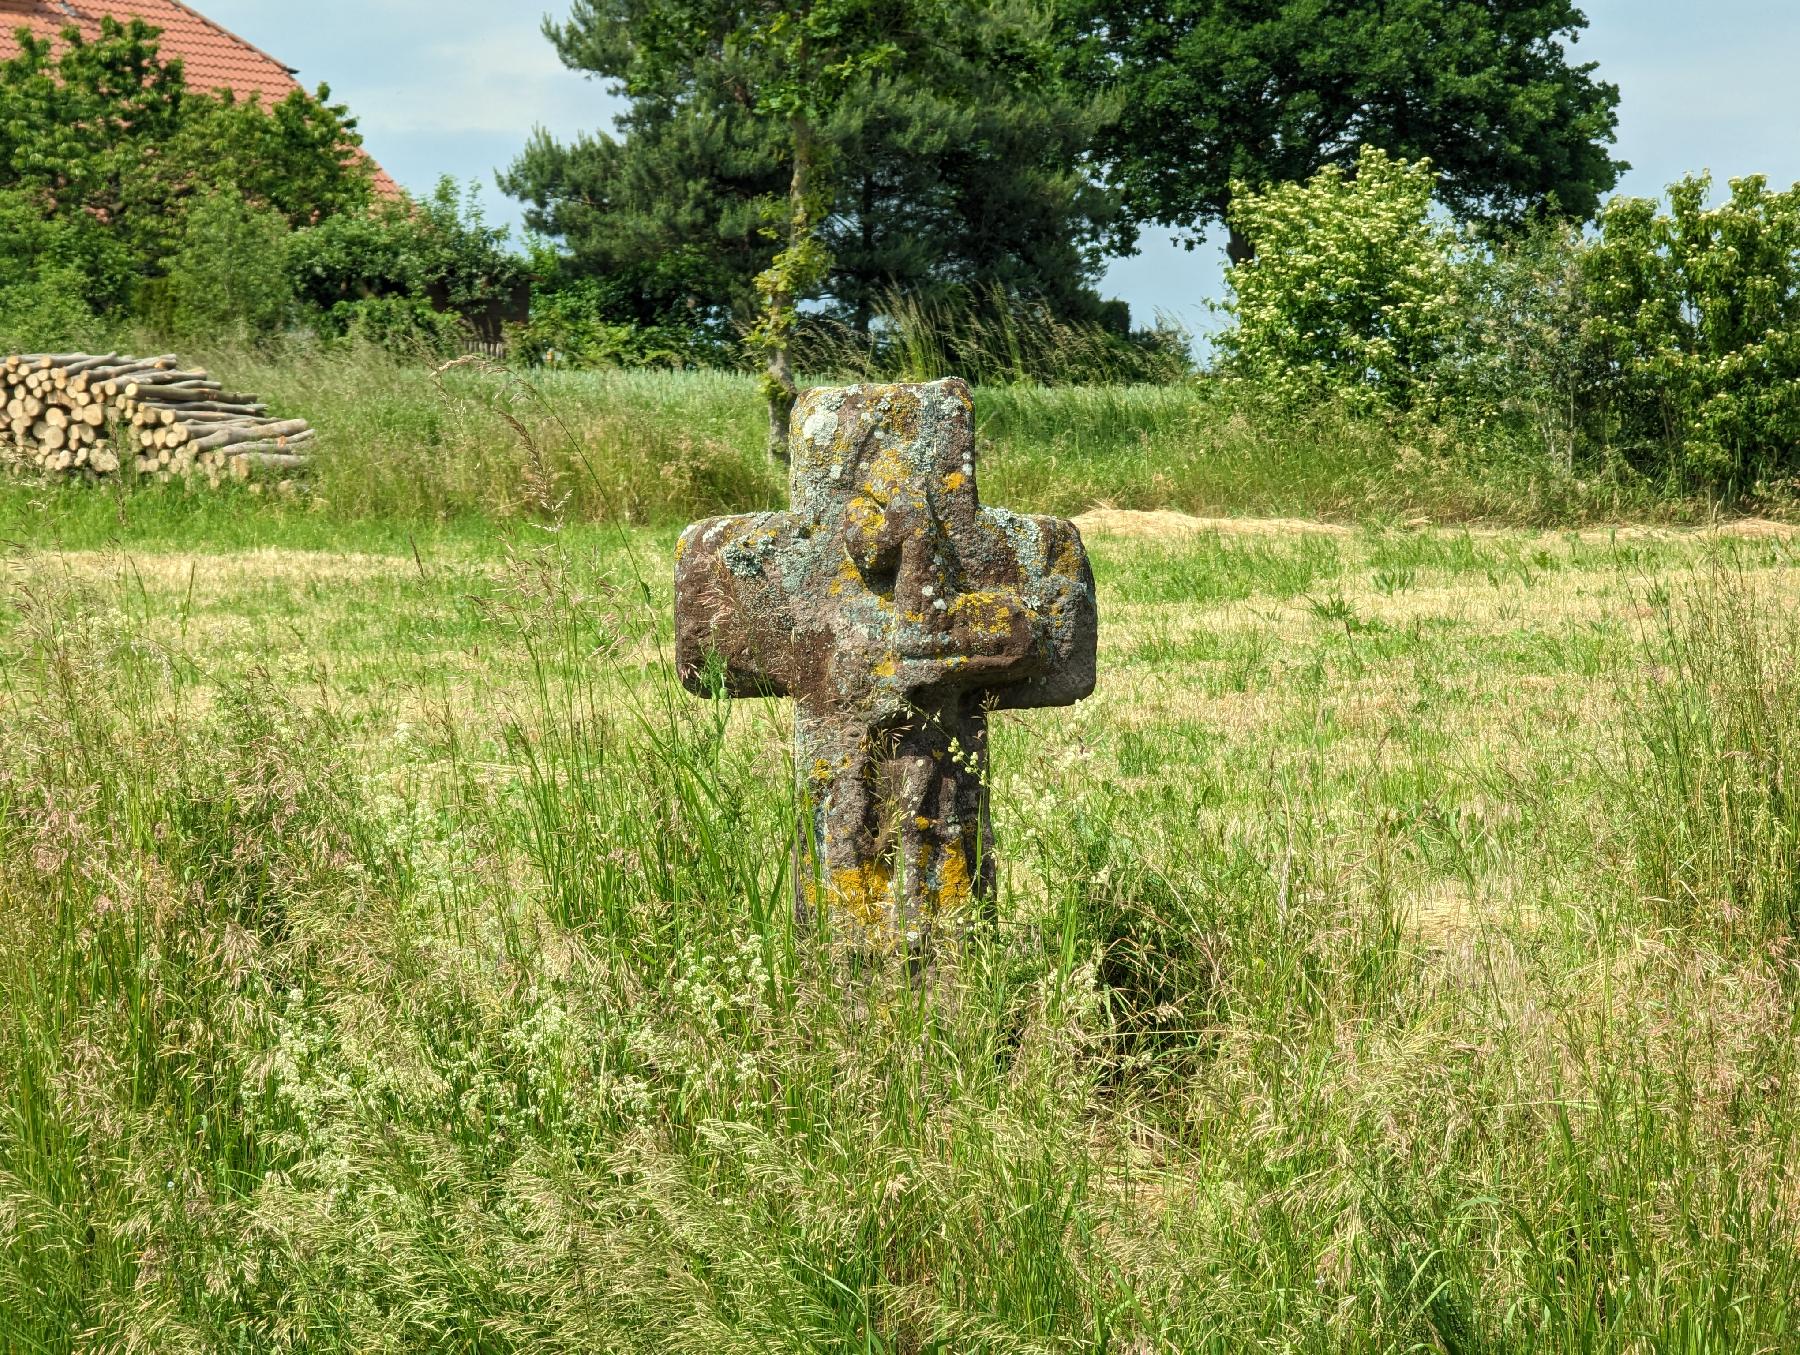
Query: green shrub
(1351, 287)
(228, 279)
(405, 325)
(414, 259)
(1697, 319)
(1518, 361)
(54, 274)
(586, 322)
(1667, 349)
(45, 309)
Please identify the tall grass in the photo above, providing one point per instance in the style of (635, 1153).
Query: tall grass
(410, 448)
(437, 1020)
(1715, 780)
(991, 340)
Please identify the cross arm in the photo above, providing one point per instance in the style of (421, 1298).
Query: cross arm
(737, 604)
(1056, 584)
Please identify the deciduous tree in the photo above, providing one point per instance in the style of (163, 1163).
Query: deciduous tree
(1262, 92)
(105, 130)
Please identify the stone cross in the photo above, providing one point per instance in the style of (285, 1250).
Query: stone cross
(897, 612)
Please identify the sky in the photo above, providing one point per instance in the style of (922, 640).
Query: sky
(455, 87)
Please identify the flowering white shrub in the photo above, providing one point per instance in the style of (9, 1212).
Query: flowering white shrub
(1351, 287)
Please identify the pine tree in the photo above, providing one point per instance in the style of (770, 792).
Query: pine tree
(954, 167)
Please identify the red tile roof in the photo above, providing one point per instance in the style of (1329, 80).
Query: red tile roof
(213, 57)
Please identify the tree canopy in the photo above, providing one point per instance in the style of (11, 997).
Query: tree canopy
(1263, 92)
(108, 125)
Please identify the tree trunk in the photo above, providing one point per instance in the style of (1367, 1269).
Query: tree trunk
(1238, 247)
(783, 392)
(865, 308)
(783, 293)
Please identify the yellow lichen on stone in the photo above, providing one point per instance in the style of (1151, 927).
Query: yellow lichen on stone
(955, 480)
(954, 888)
(886, 667)
(865, 892)
(903, 408)
(983, 614)
(887, 474)
(863, 513)
(847, 574)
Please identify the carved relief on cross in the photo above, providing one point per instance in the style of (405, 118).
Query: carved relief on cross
(897, 612)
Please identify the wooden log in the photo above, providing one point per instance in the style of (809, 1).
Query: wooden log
(233, 434)
(88, 364)
(195, 415)
(92, 414)
(126, 371)
(160, 377)
(147, 378)
(239, 409)
(190, 394)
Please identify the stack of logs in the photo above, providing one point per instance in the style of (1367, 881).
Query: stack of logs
(98, 414)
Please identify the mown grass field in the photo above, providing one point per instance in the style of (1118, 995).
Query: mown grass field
(1394, 954)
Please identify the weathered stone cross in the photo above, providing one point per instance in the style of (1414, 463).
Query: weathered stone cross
(897, 612)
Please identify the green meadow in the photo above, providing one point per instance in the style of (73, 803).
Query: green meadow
(1395, 953)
